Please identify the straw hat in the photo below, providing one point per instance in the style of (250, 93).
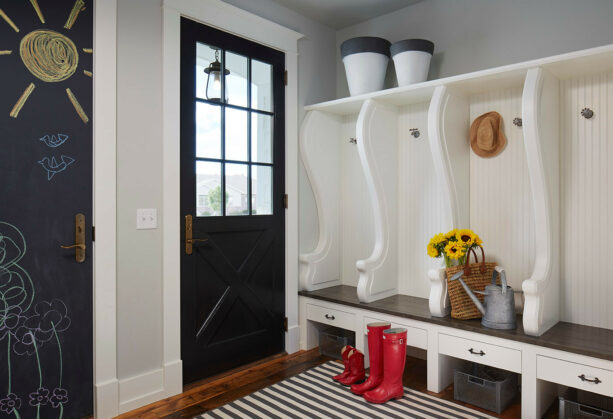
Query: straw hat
(486, 136)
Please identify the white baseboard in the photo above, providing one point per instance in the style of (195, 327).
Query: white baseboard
(173, 378)
(292, 339)
(143, 389)
(106, 399)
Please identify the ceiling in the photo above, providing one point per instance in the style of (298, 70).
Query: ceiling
(339, 14)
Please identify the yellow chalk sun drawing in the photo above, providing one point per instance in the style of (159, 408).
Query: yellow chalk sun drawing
(49, 55)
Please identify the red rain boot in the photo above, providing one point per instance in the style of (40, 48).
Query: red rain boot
(357, 373)
(375, 351)
(345, 354)
(394, 356)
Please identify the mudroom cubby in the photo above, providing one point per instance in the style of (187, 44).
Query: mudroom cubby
(368, 173)
(541, 208)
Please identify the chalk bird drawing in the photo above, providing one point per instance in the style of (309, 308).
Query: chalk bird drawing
(53, 167)
(54, 141)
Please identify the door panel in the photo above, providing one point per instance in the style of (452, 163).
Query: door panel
(232, 184)
(46, 318)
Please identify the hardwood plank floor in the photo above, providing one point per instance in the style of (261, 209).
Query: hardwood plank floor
(216, 391)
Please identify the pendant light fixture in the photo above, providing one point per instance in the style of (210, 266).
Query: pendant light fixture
(213, 80)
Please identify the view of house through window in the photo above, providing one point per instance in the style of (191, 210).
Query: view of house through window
(234, 129)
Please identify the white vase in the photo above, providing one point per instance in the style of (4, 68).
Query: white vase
(412, 60)
(365, 59)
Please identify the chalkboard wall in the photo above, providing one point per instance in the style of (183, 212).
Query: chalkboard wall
(46, 353)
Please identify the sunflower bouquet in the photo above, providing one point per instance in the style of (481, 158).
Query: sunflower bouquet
(453, 245)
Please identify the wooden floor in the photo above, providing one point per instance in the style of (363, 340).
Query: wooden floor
(219, 390)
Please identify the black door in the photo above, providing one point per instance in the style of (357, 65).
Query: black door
(46, 355)
(232, 188)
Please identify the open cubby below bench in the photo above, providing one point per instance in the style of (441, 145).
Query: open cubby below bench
(558, 357)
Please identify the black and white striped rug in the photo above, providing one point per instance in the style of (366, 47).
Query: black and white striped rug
(313, 394)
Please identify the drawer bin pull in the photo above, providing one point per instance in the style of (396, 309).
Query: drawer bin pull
(595, 380)
(472, 351)
(329, 317)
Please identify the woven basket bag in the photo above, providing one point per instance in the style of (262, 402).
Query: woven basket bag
(477, 276)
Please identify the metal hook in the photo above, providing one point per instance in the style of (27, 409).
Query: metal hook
(518, 122)
(414, 132)
(353, 140)
(587, 113)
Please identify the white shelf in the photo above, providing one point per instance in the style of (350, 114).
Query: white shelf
(562, 66)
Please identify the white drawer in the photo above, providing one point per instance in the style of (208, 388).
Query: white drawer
(575, 375)
(330, 316)
(483, 353)
(416, 336)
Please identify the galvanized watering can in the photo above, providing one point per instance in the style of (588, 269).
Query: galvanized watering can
(499, 310)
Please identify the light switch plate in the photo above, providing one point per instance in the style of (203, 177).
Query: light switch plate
(146, 218)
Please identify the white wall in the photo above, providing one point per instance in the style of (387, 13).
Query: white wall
(139, 165)
(472, 35)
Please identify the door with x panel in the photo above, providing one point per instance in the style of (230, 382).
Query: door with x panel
(232, 189)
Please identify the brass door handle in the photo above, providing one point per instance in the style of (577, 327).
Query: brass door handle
(196, 240)
(79, 238)
(74, 246)
(189, 241)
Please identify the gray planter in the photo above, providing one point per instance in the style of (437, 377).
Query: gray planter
(412, 60)
(365, 59)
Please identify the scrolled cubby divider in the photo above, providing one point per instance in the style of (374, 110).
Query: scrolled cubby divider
(377, 148)
(448, 119)
(320, 151)
(540, 114)
(377, 134)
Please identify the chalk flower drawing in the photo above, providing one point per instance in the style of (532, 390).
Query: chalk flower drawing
(54, 141)
(10, 403)
(40, 397)
(27, 327)
(50, 317)
(10, 320)
(59, 396)
(53, 167)
(50, 56)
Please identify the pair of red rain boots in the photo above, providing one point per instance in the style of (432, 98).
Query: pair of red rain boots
(387, 350)
(354, 366)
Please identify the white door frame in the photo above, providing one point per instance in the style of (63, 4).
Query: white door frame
(106, 385)
(239, 22)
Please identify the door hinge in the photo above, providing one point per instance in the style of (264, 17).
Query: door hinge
(285, 324)
(285, 77)
(285, 201)
(93, 233)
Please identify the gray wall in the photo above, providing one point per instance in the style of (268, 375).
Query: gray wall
(472, 35)
(139, 185)
(139, 162)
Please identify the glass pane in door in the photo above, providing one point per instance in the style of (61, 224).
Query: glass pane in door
(261, 86)
(261, 138)
(208, 130)
(208, 85)
(236, 79)
(261, 190)
(237, 190)
(236, 134)
(208, 189)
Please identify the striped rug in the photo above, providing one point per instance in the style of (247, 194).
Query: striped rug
(313, 394)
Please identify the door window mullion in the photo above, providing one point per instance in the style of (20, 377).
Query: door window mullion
(223, 138)
(249, 191)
